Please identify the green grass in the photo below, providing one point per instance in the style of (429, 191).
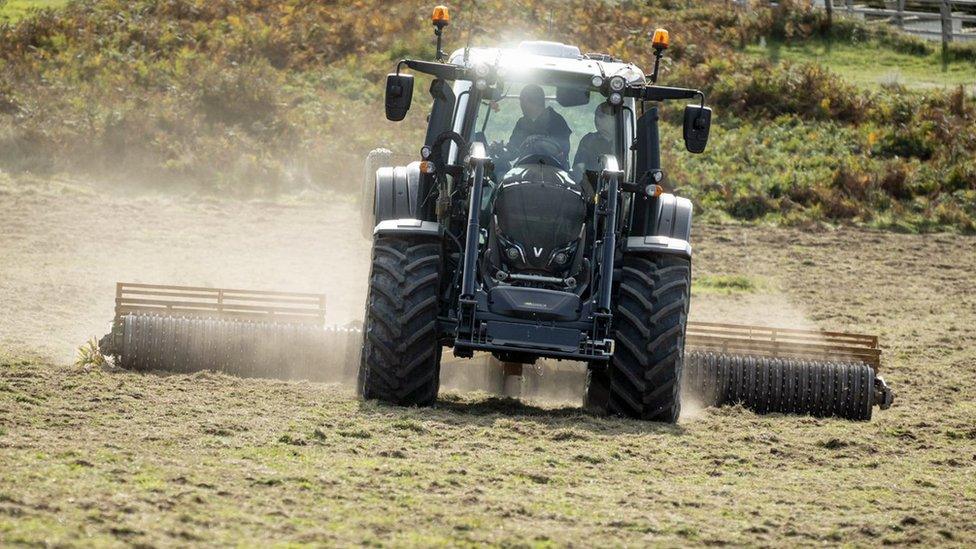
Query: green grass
(725, 284)
(478, 471)
(14, 10)
(870, 64)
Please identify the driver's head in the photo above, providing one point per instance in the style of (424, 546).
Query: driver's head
(533, 101)
(603, 120)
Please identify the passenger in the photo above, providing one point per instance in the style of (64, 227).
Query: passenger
(537, 119)
(596, 144)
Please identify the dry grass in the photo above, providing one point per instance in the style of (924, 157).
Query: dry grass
(94, 456)
(103, 457)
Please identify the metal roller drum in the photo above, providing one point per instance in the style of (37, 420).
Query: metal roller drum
(283, 335)
(821, 388)
(245, 333)
(241, 348)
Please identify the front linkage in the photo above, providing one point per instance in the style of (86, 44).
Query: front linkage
(586, 339)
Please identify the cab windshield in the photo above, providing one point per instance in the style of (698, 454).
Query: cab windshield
(566, 127)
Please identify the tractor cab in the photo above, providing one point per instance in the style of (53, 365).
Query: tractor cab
(543, 128)
(568, 150)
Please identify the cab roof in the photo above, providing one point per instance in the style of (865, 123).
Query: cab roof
(553, 56)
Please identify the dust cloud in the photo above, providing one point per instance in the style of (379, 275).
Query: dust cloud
(769, 308)
(66, 243)
(692, 408)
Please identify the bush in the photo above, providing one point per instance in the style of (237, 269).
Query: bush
(962, 51)
(259, 96)
(907, 141)
(761, 89)
(751, 206)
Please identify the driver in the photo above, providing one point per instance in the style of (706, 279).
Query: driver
(598, 143)
(537, 119)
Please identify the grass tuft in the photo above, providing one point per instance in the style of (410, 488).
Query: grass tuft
(725, 284)
(90, 355)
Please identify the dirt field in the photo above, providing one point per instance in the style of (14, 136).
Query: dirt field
(98, 456)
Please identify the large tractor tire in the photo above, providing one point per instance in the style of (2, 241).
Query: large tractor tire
(649, 317)
(401, 354)
(376, 159)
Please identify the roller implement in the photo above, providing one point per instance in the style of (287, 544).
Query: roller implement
(247, 333)
(785, 370)
(535, 224)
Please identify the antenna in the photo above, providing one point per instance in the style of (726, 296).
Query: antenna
(467, 45)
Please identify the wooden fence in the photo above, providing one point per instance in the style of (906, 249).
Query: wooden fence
(945, 20)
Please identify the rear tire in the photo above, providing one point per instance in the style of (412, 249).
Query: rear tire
(401, 354)
(649, 317)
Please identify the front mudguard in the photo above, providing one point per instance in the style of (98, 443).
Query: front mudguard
(397, 190)
(414, 227)
(671, 228)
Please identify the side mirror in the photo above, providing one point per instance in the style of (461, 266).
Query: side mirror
(399, 94)
(698, 122)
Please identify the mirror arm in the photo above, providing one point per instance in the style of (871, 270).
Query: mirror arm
(663, 93)
(446, 71)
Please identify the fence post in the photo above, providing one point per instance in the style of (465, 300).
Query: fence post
(900, 18)
(945, 11)
(850, 6)
(829, 6)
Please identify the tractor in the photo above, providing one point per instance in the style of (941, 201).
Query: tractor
(535, 224)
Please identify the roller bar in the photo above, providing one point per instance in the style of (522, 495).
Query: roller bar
(220, 303)
(783, 342)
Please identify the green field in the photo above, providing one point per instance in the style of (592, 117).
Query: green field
(129, 129)
(14, 10)
(871, 64)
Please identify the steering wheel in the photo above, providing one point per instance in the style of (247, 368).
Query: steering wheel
(540, 149)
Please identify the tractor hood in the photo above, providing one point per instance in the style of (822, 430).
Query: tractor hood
(538, 216)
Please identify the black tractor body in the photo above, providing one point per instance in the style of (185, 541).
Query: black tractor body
(549, 246)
